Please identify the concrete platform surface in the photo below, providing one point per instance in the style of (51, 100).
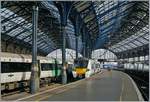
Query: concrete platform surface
(104, 86)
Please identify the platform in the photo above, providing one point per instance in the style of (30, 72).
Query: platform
(104, 86)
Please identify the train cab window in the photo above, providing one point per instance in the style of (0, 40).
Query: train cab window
(81, 63)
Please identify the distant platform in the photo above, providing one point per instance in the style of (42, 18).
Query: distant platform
(104, 86)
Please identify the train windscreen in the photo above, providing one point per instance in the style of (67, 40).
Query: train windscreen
(80, 63)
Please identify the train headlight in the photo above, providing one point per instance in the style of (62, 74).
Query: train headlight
(74, 74)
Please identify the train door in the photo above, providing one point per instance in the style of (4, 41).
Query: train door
(93, 67)
(39, 68)
(56, 68)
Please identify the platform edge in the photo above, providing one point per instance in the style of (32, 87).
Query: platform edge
(39, 93)
(140, 97)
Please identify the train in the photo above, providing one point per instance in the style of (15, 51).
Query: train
(84, 68)
(137, 66)
(16, 70)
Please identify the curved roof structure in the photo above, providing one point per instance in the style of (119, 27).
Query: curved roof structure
(120, 26)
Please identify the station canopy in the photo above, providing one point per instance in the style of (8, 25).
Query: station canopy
(119, 26)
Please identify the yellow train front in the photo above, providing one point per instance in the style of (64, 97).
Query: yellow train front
(80, 68)
(84, 68)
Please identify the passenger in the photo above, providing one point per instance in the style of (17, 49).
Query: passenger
(69, 73)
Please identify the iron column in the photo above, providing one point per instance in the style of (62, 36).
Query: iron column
(83, 37)
(34, 82)
(83, 49)
(77, 46)
(143, 64)
(64, 74)
(77, 27)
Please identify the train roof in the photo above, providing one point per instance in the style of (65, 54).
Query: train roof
(12, 57)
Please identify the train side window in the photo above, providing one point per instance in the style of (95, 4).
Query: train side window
(8, 67)
(27, 67)
(4, 67)
(43, 66)
(59, 66)
(46, 66)
(51, 66)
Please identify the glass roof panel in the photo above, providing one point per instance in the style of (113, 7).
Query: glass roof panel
(53, 9)
(133, 45)
(128, 46)
(15, 31)
(137, 39)
(7, 25)
(146, 37)
(143, 40)
(19, 28)
(6, 12)
(21, 36)
(116, 50)
(137, 42)
(27, 39)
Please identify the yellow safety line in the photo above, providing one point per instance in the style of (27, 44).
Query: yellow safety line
(122, 89)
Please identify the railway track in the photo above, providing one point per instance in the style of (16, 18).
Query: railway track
(143, 86)
(142, 83)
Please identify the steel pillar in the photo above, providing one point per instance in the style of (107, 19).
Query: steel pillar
(34, 82)
(83, 49)
(64, 10)
(77, 37)
(64, 74)
(77, 31)
(90, 50)
(83, 42)
(134, 62)
(87, 51)
(128, 61)
(143, 63)
(138, 61)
